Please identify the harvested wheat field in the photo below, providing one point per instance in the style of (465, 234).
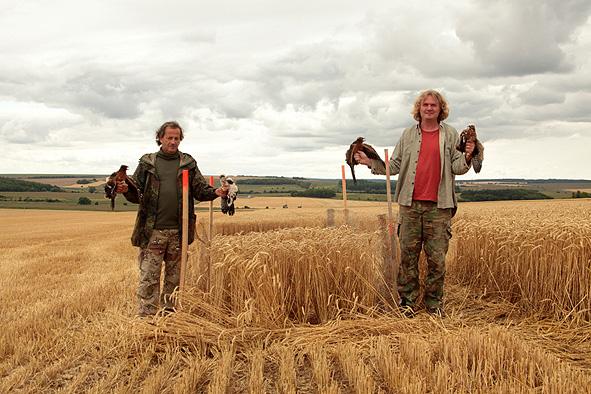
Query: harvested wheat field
(281, 302)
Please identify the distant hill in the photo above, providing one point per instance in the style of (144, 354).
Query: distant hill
(17, 185)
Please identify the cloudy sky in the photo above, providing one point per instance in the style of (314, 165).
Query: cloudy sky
(265, 87)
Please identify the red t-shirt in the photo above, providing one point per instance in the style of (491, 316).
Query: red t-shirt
(428, 168)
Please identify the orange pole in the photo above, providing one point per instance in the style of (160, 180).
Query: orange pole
(185, 230)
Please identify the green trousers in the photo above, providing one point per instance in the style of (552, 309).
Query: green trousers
(423, 226)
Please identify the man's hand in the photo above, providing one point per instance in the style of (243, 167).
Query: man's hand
(121, 187)
(222, 191)
(469, 150)
(362, 158)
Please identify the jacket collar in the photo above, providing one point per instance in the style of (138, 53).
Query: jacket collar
(185, 160)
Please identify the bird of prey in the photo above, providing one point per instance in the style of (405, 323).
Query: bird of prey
(469, 134)
(227, 203)
(360, 146)
(111, 185)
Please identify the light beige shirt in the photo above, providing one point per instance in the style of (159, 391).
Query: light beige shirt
(404, 161)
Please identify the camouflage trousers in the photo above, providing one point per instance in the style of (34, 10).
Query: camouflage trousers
(423, 226)
(164, 246)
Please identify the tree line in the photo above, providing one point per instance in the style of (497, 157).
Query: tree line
(501, 194)
(366, 186)
(17, 185)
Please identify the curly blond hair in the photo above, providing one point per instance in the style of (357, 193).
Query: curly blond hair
(416, 109)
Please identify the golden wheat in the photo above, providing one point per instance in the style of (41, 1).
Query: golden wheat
(295, 309)
(540, 261)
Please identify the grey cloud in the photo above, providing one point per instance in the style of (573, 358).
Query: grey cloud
(406, 47)
(471, 105)
(19, 133)
(540, 95)
(308, 63)
(337, 123)
(198, 36)
(574, 109)
(34, 130)
(521, 38)
(302, 76)
(103, 91)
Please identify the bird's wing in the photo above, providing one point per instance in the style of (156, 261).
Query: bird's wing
(349, 155)
(371, 153)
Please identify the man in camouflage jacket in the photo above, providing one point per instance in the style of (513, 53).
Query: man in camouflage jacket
(157, 232)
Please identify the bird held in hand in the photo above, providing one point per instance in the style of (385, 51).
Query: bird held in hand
(112, 181)
(227, 203)
(477, 156)
(360, 146)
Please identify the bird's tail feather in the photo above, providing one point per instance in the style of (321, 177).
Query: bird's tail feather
(353, 174)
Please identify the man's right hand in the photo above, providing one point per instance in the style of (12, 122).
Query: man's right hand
(362, 158)
(121, 187)
(222, 191)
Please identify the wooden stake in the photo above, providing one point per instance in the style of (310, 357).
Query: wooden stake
(390, 245)
(185, 230)
(389, 195)
(211, 211)
(344, 183)
(388, 288)
(330, 217)
(205, 253)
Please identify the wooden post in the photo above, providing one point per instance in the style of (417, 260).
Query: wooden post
(204, 260)
(185, 230)
(392, 230)
(389, 195)
(330, 217)
(205, 253)
(211, 211)
(344, 184)
(391, 244)
(388, 287)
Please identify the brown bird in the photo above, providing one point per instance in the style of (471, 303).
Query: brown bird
(469, 134)
(227, 201)
(360, 146)
(111, 185)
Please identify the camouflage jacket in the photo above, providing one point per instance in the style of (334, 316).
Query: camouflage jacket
(148, 186)
(404, 161)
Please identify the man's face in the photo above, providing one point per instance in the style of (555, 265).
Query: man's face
(430, 108)
(170, 140)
